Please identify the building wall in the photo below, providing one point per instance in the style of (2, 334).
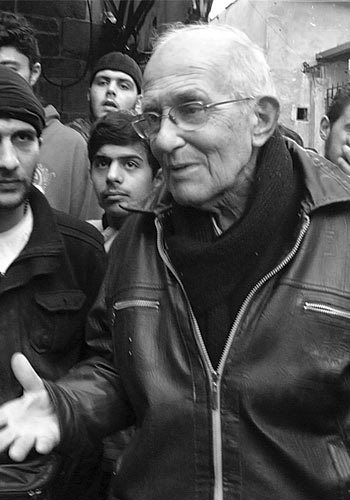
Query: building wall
(69, 38)
(291, 33)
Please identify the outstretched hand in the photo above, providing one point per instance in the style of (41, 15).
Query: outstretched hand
(28, 422)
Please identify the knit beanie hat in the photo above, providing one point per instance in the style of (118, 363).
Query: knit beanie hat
(117, 61)
(18, 101)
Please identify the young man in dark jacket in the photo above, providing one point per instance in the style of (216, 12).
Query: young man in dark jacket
(226, 303)
(51, 267)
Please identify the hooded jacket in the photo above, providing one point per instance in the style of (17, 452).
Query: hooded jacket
(272, 420)
(63, 172)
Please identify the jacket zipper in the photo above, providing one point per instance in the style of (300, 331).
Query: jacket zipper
(328, 310)
(214, 376)
(123, 304)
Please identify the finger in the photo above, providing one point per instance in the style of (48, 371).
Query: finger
(20, 448)
(7, 436)
(25, 374)
(3, 418)
(45, 444)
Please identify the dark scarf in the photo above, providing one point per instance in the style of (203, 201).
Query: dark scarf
(219, 272)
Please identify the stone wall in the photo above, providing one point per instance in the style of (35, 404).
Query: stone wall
(69, 34)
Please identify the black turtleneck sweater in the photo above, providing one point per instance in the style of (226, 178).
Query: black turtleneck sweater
(219, 272)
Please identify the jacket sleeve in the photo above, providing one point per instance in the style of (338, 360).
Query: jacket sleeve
(90, 400)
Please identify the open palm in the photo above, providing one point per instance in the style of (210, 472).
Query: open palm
(28, 422)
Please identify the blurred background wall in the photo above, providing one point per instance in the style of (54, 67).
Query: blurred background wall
(73, 33)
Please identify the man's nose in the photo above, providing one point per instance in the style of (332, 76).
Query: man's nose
(168, 138)
(8, 156)
(112, 88)
(115, 172)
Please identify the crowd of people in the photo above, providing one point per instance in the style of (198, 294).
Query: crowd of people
(174, 285)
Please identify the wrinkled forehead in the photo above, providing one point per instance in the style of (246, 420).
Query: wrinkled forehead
(187, 49)
(189, 60)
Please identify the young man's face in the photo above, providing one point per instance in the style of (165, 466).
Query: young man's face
(19, 154)
(336, 135)
(111, 90)
(13, 59)
(121, 175)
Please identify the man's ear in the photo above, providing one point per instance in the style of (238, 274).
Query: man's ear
(267, 111)
(34, 74)
(138, 104)
(158, 178)
(325, 127)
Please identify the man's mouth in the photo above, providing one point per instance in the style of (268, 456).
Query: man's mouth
(114, 194)
(180, 166)
(110, 104)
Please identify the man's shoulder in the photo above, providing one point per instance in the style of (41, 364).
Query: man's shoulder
(81, 126)
(58, 131)
(75, 229)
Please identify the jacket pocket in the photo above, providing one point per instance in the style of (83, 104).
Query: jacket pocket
(136, 326)
(34, 478)
(125, 304)
(341, 462)
(58, 320)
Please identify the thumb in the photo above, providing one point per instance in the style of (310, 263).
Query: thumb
(25, 374)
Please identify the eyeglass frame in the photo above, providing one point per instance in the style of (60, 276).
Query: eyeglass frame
(140, 118)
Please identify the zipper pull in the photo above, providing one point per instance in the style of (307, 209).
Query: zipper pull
(214, 392)
(34, 494)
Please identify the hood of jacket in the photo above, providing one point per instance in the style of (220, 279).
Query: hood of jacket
(51, 114)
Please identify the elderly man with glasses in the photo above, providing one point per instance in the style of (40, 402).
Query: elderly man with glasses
(222, 327)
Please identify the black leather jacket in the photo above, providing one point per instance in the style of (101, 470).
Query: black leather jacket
(44, 299)
(272, 421)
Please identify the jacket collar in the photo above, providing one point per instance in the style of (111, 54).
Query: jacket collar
(42, 252)
(45, 238)
(324, 182)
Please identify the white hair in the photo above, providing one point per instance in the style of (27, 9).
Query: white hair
(248, 73)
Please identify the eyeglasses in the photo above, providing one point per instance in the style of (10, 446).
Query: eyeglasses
(189, 116)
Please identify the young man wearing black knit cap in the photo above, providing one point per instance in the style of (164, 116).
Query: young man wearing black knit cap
(62, 173)
(115, 84)
(51, 267)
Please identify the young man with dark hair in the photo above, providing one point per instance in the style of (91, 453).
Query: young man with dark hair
(51, 267)
(62, 172)
(335, 131)
(115, 84)
(123, 170)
